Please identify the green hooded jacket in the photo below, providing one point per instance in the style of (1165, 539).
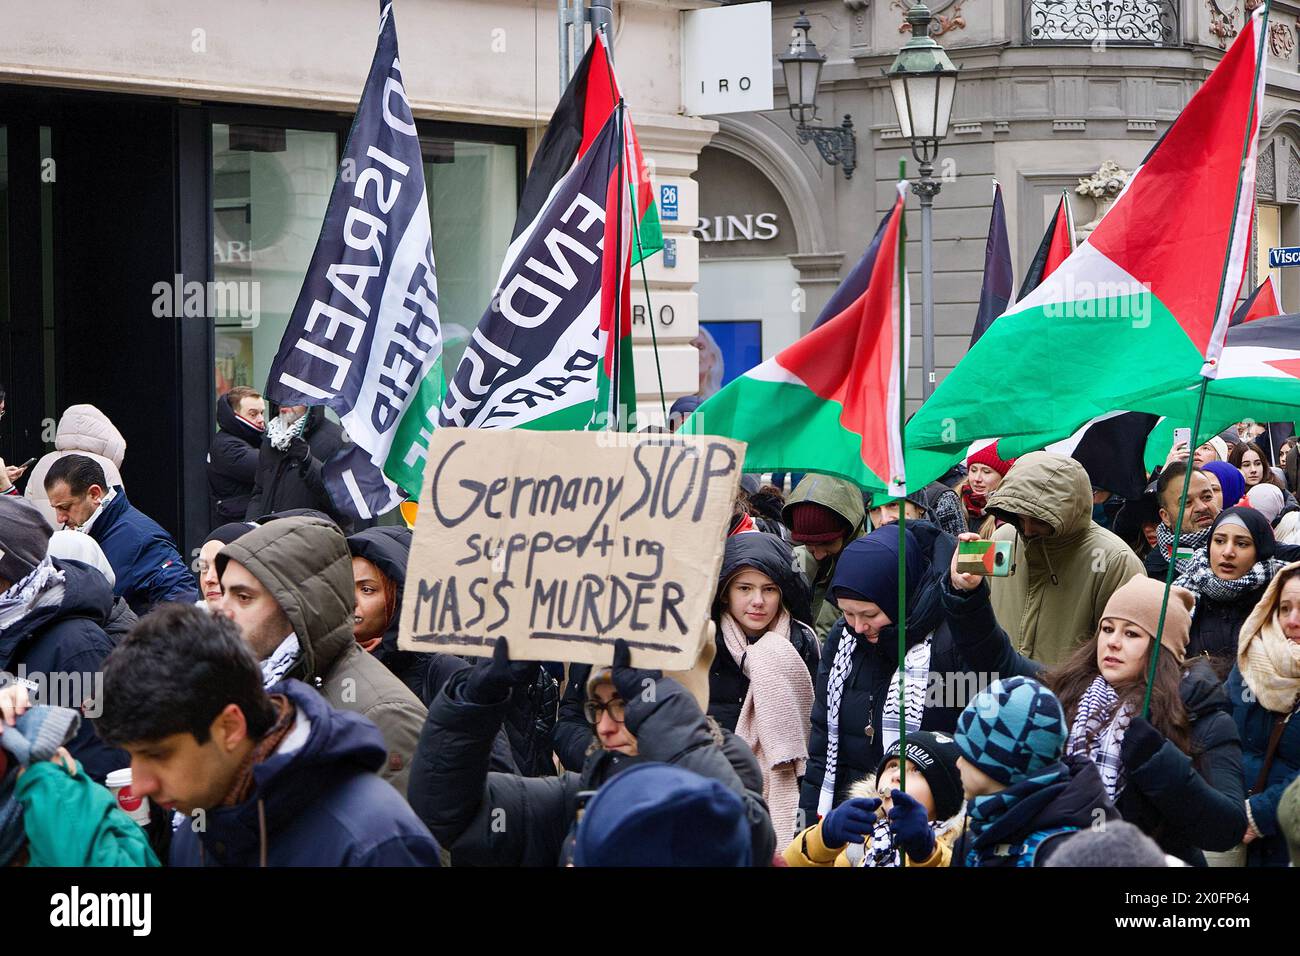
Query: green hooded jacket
(72, 821)
(1061, 582)
(306, 565)
(845, 499)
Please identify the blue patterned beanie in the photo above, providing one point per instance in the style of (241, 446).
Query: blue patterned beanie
(1013, 730)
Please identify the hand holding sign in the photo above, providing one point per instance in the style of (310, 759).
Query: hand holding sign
(565, 544)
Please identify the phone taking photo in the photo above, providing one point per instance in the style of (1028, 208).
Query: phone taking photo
(1183, 435)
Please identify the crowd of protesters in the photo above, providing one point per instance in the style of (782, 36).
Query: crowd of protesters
(254, 708)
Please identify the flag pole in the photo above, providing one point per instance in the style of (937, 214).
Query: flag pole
(1205, 381)
(902, 515)
(636, 233)
(616, 331)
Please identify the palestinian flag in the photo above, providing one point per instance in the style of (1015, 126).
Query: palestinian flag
(829, 402)
(1139, 310)
(587, 103)
(1261, 304)
(1057, 244)
(855, 283)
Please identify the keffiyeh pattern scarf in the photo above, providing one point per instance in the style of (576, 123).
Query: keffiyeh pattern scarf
(1098, 733)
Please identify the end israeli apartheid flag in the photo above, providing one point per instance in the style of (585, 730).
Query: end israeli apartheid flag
(365, 338)
(537, 358)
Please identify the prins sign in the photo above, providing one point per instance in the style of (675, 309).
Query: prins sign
(749, 227)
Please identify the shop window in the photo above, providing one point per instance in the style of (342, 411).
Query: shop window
(270, 189)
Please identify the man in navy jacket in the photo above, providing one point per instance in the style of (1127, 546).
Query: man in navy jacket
(270, 777)
(148, 568)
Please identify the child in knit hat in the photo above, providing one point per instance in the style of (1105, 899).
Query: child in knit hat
(1024, 796)
(879, 822)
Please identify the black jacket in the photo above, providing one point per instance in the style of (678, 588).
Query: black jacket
(1184, 805)
(1187, 806)
(496, 819)
(1216, 627)
(1076, 803)
(286, 480)
(232, 464)
(62, 647)
(120, 621)
(870, 680)
(769, 554)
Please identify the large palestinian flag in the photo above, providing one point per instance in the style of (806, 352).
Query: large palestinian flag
(1138, 310)
(829, 402)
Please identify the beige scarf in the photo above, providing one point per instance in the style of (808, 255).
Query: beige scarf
(1268, 661)
(774, 718)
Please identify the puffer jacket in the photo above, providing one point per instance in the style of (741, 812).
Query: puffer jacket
(728, 684)
(305, 564)
(870, 680)
(1216, 628)
(1255, 723)
(232, 463)
(147, 568)
(464, 804)
(284, 485)
(1061, 582)
(62, 647)
(1186, 803)
(82, 430)
(845, 499)
(316, 801)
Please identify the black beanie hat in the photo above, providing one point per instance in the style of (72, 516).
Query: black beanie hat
(935, 755)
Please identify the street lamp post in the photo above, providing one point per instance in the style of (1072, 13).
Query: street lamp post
(802, 64)
(922, 80)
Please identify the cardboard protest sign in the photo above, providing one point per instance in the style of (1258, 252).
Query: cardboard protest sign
(566, 541)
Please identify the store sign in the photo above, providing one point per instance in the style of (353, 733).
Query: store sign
(727, 59)
(753, 227)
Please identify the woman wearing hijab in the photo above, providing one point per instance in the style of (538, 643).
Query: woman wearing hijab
(1231, 484)
(760, 684)
(1264, 689)
(1228, 578)
(76, 546)
(209, 581)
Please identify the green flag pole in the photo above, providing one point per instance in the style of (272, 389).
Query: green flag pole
(902, 514)
(1205, 382)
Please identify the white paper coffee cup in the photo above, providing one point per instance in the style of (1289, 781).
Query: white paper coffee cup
(137, 808)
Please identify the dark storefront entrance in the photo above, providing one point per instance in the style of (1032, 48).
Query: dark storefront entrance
(103, 197)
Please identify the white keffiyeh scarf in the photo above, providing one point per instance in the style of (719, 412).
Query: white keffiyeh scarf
(42, 586)
(1098, 733)
(281, 434)
(281, 660)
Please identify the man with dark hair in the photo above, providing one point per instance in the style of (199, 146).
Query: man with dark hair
(288, 587)
(232, 456)
(148, 568)
(1202, 508)
(272, 777)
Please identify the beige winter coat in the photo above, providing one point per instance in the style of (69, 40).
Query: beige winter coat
(83, 430)
(1053, 600)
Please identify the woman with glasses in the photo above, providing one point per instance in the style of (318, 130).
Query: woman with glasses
(500, 819)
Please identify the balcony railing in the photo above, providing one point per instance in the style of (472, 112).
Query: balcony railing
(1101, 22)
